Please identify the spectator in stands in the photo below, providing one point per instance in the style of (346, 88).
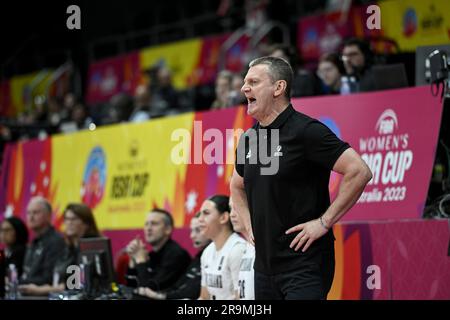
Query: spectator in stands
(164, 95)
(54, 109)
(119, 109)
(220, 262)
(236, 97)
(40, 110)
(188, 286)
(142, 100)
(358, 60)
(304, 82)
(330, 71)
(79, 223)
(14, 235)
(43, 252)
(222, 89)
(162, 267)
(68, 104)
(80, 116)
(245, 289)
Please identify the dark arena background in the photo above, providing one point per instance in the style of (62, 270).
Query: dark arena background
(118, 105)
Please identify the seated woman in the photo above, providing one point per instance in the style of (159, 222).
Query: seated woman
(79, 223)
(220, 262)
(330, 71)
(14, 235)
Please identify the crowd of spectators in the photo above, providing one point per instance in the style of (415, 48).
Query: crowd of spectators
(345, 72)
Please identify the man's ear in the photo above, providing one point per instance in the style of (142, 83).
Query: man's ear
(169, 231)
(280, 88)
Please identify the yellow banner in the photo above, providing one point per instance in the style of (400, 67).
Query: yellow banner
(416, 23)
(124, 171)
(180, 57)
(21, 85)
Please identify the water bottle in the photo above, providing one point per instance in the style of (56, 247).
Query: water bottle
(13, 282)
(345, 86)
(354, 85)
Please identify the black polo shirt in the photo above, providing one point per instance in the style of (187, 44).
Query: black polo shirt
(162, 269)
(41, 257)
(296, 193)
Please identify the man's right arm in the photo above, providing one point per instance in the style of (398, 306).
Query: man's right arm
(240, 204)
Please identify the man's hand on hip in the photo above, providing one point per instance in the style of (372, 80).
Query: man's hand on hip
(308, 233)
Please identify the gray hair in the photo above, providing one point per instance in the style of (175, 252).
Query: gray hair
(279, 69)
(44, 203)
(227, 75)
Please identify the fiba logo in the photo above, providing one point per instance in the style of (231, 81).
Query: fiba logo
(387, 122)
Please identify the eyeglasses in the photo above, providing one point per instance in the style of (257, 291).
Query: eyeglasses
(71, 219)
(348, 55)
(322, 71)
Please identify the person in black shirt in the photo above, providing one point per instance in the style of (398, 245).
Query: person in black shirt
(358, 61)
(188, 285)
(14, 234)
(288, 207)
(47, 246)
(79, 223)
(161, 268)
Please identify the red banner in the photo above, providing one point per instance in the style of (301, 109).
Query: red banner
(206, 69)
(112, 76)
(321, 34)
(395, 132)
(396, 260)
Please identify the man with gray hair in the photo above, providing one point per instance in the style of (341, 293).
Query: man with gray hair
(289, 209)
(46, 247)
(160, 268)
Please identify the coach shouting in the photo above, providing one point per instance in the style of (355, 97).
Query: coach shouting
(287, 211)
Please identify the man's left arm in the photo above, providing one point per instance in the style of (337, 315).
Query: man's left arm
(356, 174)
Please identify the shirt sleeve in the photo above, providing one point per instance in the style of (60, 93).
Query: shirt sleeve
(322, 145)
(235, 262)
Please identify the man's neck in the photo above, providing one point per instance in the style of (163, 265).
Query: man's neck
(159, 245)
(273, 113)
(41, 231)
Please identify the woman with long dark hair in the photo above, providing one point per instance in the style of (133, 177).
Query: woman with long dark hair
(14, 235)
(220, 262)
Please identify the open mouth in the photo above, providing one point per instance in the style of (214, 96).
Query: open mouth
(251, 100)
